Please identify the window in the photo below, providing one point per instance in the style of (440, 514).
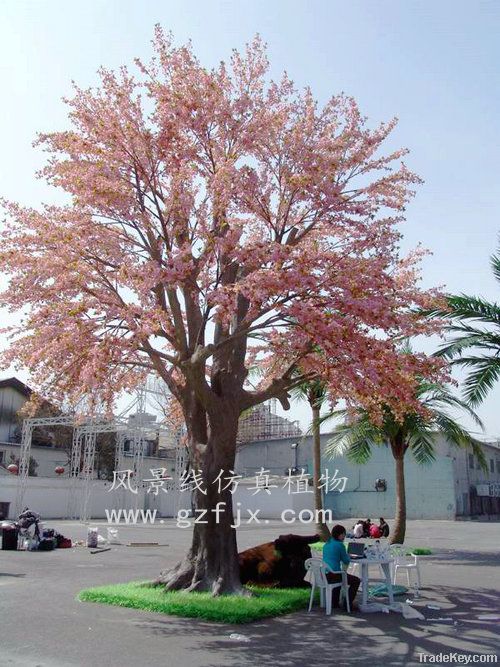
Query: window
(1, 456)
(471, 461)
(465, 503)
(492, 465)
(498, 466)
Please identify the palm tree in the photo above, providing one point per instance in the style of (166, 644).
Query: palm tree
(356, 436)
(314, 392)
(466, 313)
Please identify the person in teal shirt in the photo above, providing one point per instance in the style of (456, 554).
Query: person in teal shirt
(334, 553)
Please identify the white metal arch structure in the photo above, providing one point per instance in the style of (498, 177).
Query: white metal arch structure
(88, 434)
(84, 438)
(24, 456)
(74, 470)
(85, 432)
(139, 438)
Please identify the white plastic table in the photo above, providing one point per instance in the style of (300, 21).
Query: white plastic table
(364, 563)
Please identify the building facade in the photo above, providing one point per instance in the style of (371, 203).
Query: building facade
(453, 486)
(13, 396)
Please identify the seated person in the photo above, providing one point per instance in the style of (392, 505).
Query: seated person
(334, 552)
(384, 527)
(375, 531)
(358, 530)
(366, 528)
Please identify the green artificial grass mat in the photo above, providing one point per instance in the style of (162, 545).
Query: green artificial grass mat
(417, 551)
(265, 603)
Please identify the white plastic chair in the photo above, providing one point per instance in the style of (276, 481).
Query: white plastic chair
(404, 562)
(319, 569)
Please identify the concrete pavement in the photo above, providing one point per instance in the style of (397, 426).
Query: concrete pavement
(43, 625)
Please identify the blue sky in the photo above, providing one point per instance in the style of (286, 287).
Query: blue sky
(434, 65)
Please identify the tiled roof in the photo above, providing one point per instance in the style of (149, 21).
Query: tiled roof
(16, 384)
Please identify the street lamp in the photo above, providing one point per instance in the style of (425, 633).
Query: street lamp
(295, 448)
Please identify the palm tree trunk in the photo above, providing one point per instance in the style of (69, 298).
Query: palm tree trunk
(321, 526)
(399, 530)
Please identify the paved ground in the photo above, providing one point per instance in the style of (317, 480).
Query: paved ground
(42, 625)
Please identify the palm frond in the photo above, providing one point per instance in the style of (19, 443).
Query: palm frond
(481, 380)
(356, 437)
(477, 448)
(441, 398)
(354, 440)
(460, 437)
(421, 445)
(465, 307)
(341, 415)
(454, 348)
(313, 391)
(405, 346)
(455, 433)
(495, 266)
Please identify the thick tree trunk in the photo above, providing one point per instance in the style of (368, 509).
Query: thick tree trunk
(321, 526)
(399, 530)
(211, 563)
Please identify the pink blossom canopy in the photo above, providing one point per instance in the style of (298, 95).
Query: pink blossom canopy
(215, 220)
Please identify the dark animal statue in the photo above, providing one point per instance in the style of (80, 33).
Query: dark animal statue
(278, 564)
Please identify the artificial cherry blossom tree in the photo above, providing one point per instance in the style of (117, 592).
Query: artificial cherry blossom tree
(215, 220)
